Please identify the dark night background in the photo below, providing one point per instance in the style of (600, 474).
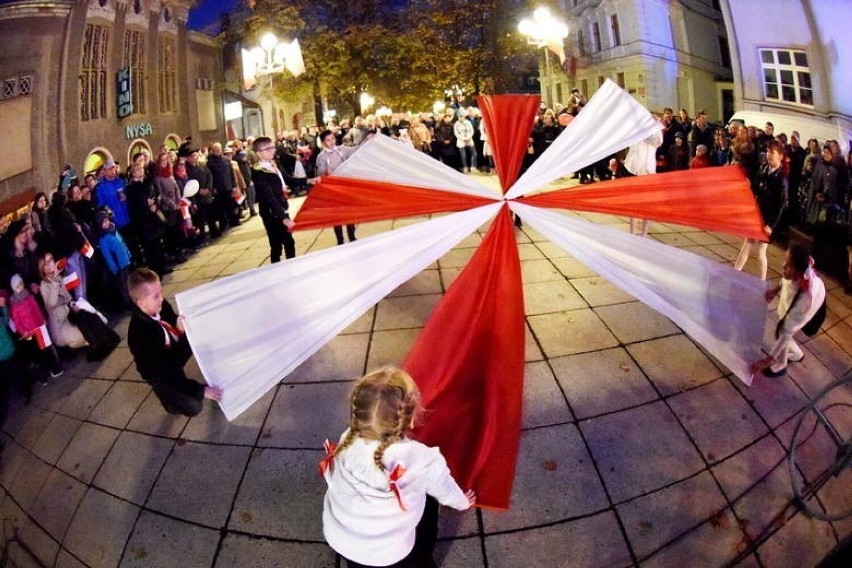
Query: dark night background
(208, 12)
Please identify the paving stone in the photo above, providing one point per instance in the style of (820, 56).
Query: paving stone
(132, 466)
(211, 270)
(726, 251)
(640, 449)
(544, 403)
(530, 251)
(759, 506)
(549, 297)
(703, 238)
(744, 469)
(554, 480)
(456, 258)
(193, 474)
(57, 503)
(635, 321)
(407, 312)
(572, 268)
(302, 416)
(152, 418)
(14, 457)
(132, 374)
(567, 333)
(830, 354)
(67, 560)
(52, 395)
(240, 551)
(458, 553)
(87, 450)
(542, 270)
(673, 363)
(291, 476)
(448, 276)
(654, 520)
(80, 403)
(35, 425)
(718, 419)
(390, 347)
(340, 359)
(55, 437)
(552, 251)
(29, 480)
(120, 403)
(159, 541)
(602, 381)
(114, 366)
(675, 239)
(715, 543)
(42, 547)
(800, 542)
(703, 251)
(599, 292)
(426, 282)
(363, 324)
(531, 349)
(100, 529)
(776, 400)
(213, 427)
(590, 542)
(810, 374)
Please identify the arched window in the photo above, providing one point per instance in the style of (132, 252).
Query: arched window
(137, 146)
(137, 6)
(95, 160)
(172, 141)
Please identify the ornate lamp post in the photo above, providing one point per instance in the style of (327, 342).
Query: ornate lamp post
(547, 32)
(269, 58)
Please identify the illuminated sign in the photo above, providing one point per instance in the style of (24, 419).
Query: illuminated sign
(123, 92)
(138, 130)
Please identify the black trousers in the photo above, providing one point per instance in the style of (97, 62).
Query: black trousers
(350, 232)
(279, 239)
(424, 541)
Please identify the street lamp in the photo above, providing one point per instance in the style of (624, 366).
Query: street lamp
(547, 32)
(269, 58)
(366, 101)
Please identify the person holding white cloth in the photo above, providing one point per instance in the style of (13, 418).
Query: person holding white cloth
(800, 295)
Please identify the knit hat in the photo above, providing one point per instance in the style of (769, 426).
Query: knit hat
(16, 281)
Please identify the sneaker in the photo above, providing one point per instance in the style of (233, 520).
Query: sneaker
(768, 372)
(57, 373)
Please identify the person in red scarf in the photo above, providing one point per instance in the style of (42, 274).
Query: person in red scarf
(160, 348)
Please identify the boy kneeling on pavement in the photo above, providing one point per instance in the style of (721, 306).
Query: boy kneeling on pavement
(160, 348)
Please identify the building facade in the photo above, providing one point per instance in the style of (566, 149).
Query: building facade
(666, 53)
(790, 58)
(85, 81)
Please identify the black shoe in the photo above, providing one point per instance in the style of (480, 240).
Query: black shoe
(768, 372)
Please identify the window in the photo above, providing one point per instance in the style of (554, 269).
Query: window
(786, 76)
(616, 31)
(619, 78)
(559, 95)
(25, 85)
(724, 52)
(596, 37)
(10, 88)
(93, 75)
(581, 43)
(134, 57)
(167, 74)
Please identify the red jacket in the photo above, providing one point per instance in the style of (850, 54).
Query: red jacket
(26, 313)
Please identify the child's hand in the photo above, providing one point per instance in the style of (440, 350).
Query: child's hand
(213, 393)
(471, 497)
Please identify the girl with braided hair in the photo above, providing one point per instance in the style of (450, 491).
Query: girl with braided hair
(381, 507)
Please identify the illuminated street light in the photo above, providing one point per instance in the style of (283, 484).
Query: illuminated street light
(269, 58)
(438, 107)
(367, 101)
(549, 33)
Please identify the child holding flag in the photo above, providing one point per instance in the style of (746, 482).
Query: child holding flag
(29, 322)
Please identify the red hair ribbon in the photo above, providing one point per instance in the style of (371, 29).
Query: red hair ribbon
(394, 476)
(327, 463)
(804, 284)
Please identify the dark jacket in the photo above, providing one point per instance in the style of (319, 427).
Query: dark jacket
(222, 173)
(269, 191)
(67, 238)
(771, 194)
(162, 365)
(205, 182)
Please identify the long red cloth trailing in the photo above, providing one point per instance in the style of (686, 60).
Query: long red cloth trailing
(508, 122)
(713, 199)
(469, 364)
(341, 200)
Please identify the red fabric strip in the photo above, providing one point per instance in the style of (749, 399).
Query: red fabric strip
(508, 121)
(713, 199)
(340, 200)
(469, 364)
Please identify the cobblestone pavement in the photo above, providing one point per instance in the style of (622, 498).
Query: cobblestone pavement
(637, 448)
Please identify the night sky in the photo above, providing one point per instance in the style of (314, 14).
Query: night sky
(208, 11)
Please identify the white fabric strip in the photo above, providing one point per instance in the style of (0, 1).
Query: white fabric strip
(611, 121)
(721, 308)
(279, 315)
(384, 159)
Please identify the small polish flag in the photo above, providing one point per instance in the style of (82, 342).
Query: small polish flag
(87, 249)
(241, 198)
(71, 281)
(61, 264)
(43, 337)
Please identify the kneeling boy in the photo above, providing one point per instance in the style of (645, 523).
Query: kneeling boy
(159, 346)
